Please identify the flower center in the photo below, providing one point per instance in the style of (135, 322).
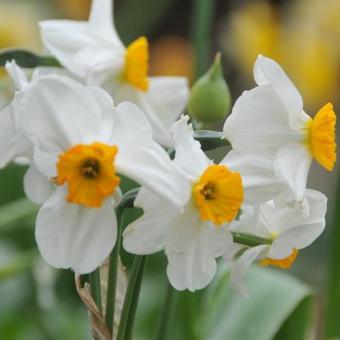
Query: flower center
(284, 263)
(218, 194)
(90, 168)
(137, 64)
(89, 172)
(322, 137)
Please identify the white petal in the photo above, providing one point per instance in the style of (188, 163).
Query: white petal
(102, 67)
(296, 238)
(259, 180)
(152, 168)
(126, 92)
(17, 75)
(291, 164)
(73, 236)
(189, 156)
(102, 21)
(64, 39)
(144, 161)
(259, 121)
(251, 222)
(62, 113)
(46, 162)
(294, 229)
(231, 252)
(13, 143)
(147, 234)
(267, 71)
(191, 248)
(239, 269)
(168, 97)
(166, 101)
(131, 127)
(37, 187)
(108, 111)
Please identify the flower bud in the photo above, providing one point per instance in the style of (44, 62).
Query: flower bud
(209, 100)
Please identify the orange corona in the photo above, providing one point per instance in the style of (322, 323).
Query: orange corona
(89, 172)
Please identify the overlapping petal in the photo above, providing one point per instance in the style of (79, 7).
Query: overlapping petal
(240, 267)
(73, 236)
(259, 179)
(291, 164)
(68, 113)
(259, 122)
(147, 234)
(189, 157)
(191, 248)
(267, 71)
(37, 187)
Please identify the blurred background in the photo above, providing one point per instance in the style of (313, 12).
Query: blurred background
(37, 302)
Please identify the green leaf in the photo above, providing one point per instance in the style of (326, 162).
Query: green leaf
(19, 263)
(26, 58)
(298, 323)
(14, 213)
(332, 327)
(279, 305)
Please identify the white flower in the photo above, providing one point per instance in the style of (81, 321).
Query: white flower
(288, 230)
(81, 145)
(13, 143)
(194, 233)
(94, 52)
(269, 120)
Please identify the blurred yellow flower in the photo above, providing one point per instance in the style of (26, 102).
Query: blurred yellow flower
(171, 56)
(75, 9)
(303, 38)
(253, 30)
(18, 28)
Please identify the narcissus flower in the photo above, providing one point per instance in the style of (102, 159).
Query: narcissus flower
(288, 229)
(195, 233)
(81, 146)
(94, 52)
(13, 143)
(270, 120)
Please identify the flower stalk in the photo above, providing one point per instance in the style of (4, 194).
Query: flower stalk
(131, 298)
(96, 288)
(167, 313)
(203, 13)
(112, 277)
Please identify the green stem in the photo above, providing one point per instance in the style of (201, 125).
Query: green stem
(96, 288)
(202, 20)
(131, 298)
(333, 304)
(250, 240)
(113, 270)
(168, 311)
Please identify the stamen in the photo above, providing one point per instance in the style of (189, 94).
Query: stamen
(90, 168)
(208, 191)
(218, 194)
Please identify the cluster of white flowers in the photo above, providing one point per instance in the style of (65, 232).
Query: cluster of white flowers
(104, 117)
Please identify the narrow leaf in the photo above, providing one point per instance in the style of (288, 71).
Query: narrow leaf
(27, 59)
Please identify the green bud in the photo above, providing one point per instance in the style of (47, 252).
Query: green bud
(209, 100)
